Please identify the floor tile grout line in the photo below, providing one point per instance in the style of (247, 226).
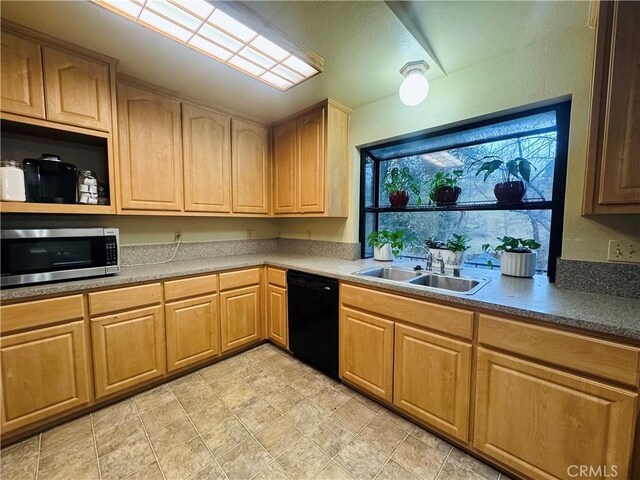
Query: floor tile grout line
(38, 457)
(144, 427)
(95, 445)
(391, 455)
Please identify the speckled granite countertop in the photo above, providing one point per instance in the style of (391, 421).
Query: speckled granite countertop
(533, 298)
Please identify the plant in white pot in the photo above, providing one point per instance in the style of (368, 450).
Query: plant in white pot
(452, 251)
(387, 244)
(517, 258)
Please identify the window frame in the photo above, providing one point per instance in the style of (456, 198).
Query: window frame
(556, 205)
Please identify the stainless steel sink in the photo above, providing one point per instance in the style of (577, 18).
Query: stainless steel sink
(466, 285)
(390, 273)
(455, 284)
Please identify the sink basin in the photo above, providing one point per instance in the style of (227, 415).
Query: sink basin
(466, 285)
(455, 284)
(390, 273)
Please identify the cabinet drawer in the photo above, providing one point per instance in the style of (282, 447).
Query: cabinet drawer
(124, 298)
(190, 287)
(38, 313)
(602, 358)
(239, 279)
(277, 277)
(453, 321)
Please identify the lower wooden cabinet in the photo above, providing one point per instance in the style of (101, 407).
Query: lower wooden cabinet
(366, 352)
(44, 373)
(240, 315)
(432, 376)
(540, 421)
(277, 325)
(128, 349)
(193, 333)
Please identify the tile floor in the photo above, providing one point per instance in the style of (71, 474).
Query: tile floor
(259, 415)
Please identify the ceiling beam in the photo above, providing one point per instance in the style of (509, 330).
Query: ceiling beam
(403, 10)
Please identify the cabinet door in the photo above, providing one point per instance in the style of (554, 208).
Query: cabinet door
(150, 150)
(366, 352)
(207, 160)
(432, 378)
(21, 76)
(44, 373)
(77, 90)
(240, 317)
(311, 162)
(193, 332)
(620, 175)
(277, 314)
(284, 168)
(540, 421)
(128, 349)
(250, 168)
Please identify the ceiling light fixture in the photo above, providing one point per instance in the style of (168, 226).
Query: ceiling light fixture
(414, 87)
(202, 26)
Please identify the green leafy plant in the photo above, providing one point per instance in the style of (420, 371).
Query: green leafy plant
(433, 243)
(517, 169)
(442, 179)
(397, 239)
(510, 245)
(458, 243)
(401, 180)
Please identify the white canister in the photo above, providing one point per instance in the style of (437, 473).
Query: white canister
(12, 181)
(518, 264)
(383, 253)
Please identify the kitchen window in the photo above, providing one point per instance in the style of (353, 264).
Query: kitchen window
(538, 135)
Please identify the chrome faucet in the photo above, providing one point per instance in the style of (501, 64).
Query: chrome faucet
(428, 260)
(441, 261)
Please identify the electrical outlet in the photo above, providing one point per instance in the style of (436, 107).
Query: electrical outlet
(309, 234)
(177, 237)
(623, 252)
(249, 233)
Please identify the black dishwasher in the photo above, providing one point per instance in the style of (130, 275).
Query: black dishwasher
(313, 320)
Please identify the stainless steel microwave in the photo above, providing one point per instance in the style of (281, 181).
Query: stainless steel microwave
(37, 256)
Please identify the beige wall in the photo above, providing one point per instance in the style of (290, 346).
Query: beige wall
(549, 69)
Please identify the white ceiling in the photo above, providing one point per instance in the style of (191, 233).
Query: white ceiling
(363, 44)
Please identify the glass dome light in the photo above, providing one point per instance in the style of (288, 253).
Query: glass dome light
(414, 87)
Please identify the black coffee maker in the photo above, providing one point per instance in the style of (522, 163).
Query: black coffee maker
(50, 180)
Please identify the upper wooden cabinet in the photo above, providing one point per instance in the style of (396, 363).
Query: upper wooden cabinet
(310, 162)
(150, 173)
(207, 160)
(77, 90)
(250, 167)
(613, 164)
(21, 83)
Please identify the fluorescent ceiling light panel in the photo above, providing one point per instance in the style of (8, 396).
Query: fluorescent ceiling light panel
(207, 29)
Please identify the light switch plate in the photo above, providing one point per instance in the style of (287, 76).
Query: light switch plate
(623, 252)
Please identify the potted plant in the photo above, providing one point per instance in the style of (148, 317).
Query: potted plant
(443, 187)
(517, 258)
(452, 251)
(398, 182)
(387, 244)
(514, 175)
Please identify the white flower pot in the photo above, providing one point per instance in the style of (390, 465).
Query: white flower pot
(383, 253)
(518, 264)
(451, 259)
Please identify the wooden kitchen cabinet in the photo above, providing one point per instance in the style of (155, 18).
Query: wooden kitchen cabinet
(77, 89)
(192, 321)
(540, 421)
(612, 182)
(128, 333)
(150, 173)
(45, 372)
(240, 308)
(250, 172)
(277, 320)
(310, 162)
(366, 351)
(432, 378)
(22, 79)
(206, 137)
